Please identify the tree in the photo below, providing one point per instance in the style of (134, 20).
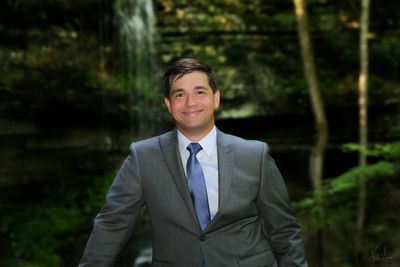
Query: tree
(321, 125)
(363, 125)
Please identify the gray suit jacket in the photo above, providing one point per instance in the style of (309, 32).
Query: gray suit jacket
(254, 225)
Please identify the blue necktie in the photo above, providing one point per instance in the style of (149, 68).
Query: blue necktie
(197, 186)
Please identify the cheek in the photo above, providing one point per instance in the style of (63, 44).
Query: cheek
(175, 106)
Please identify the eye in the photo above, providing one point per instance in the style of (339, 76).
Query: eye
(177, 95)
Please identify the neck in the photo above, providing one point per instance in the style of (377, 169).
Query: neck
(196, 136)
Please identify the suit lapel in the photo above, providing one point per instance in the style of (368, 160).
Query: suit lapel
(170, 151)
(225, 150)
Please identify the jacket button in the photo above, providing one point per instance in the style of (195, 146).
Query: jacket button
(202, 237)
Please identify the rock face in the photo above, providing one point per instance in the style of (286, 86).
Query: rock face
(63, 115)
(45, 137)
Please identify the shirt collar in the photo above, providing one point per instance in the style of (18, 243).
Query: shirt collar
(208, 142)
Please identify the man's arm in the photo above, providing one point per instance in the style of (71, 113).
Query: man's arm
(114, 223)
(280, 221)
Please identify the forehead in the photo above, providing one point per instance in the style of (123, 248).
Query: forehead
(195, 78)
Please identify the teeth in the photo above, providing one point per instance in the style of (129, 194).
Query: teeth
(191, 113)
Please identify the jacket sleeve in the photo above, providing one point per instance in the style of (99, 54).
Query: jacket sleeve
(279, 219)
(114, 223)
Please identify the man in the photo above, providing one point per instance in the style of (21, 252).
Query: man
(213, 199)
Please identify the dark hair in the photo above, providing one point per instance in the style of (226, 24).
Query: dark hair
(184, 66)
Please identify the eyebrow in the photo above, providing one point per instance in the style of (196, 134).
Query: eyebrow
(176, 91)
(200, 87)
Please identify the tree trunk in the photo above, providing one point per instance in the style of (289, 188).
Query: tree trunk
(363, 126)
(321, 126)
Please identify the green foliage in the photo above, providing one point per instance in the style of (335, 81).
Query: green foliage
(39, 232)
(61, 46)
(387, 151)
(94, 196)
(386, 52)
(338, 198)
(348, 181)
(80, 52)
(286, 19)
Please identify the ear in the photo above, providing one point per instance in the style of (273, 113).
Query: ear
(217, 99)
(167, 103)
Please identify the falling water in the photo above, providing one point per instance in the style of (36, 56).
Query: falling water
(137, 30)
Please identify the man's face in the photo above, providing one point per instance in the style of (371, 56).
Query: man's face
(192, 104)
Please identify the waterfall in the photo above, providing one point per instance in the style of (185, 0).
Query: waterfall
(137, 31)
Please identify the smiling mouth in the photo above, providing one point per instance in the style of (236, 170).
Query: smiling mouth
(191, 113)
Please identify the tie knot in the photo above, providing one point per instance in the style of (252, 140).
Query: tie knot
(194, 148)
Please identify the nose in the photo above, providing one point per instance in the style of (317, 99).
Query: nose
(191, 100)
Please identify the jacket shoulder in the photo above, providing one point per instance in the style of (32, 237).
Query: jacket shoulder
(242, 143)
(151, 143)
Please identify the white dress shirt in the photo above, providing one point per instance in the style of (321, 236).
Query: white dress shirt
(208, 159)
